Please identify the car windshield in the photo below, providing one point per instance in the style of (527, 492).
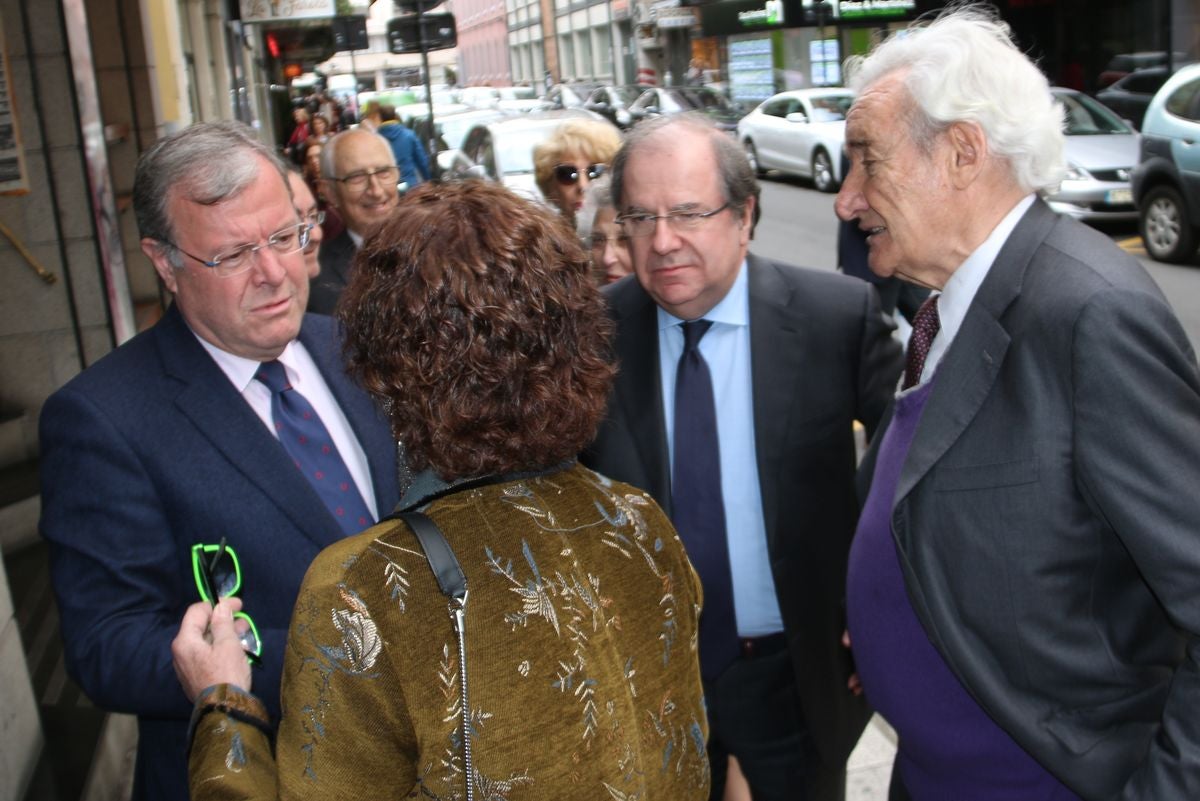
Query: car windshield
(1088, 117)
(831, 108)
(453, 130)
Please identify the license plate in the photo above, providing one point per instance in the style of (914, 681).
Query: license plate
(1119, 197)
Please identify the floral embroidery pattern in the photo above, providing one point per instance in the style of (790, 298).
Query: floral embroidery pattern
(579, 597)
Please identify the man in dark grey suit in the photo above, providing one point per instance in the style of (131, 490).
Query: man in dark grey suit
(1024, 586)
(794, 357)
(360, 179)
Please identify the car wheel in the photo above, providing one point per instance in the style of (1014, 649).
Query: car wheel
(1166, 231)
(752, 157)
(822, 172)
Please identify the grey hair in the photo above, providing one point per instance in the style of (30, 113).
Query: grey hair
(330, 149)
(597, 198)
(964, 67)
(738, 183)
(204, 163)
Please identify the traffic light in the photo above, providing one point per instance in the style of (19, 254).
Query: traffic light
(404, 35)
(350, 33)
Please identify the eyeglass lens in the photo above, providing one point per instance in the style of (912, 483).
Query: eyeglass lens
(567, 174)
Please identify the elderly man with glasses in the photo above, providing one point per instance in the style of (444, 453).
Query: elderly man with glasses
(231, 420)
(740, 382)
(360, 179)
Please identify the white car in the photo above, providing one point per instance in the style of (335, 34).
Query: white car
(799, 132)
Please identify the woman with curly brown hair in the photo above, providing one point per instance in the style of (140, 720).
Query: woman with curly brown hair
(571, 670)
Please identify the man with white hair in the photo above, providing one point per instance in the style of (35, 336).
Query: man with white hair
(1022, 592)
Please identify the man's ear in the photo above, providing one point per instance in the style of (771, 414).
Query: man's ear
(968, 152)
(156, 252)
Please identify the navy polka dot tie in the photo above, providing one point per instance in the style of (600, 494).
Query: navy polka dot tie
(926, 325)
(307, 441)
(697, 506)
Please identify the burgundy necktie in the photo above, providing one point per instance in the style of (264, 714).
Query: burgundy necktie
(925, 327)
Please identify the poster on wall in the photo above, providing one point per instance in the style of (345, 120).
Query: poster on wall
(13, 178)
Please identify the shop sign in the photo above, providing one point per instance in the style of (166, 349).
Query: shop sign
(731, 17)
(277, 10)
(770, 14)
(675, 17)
(863, 9)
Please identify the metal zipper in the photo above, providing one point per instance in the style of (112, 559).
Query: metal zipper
(458, 616)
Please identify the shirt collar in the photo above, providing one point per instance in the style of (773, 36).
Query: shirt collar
(960, 290)
(240, 370)
(733, 309)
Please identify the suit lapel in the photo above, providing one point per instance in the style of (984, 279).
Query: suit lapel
(640, 393)
(222, 416)
(968, 371)
(777, 356)
(369, 426)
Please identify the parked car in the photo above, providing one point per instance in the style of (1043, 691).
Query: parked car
(1166, 182)
(450, 130)
(518, 98)
(566, 95)
(502, 150)
(612, 103)
(1122, 64)
(657, 101)
(799, 132)
(1130, 96)
(1101, 151)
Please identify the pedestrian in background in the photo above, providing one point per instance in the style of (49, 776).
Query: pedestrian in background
(577, 153)
(607, 243)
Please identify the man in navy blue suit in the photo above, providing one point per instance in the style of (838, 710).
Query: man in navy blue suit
(170, 441)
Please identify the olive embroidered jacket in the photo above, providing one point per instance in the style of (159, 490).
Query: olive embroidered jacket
(580, 649)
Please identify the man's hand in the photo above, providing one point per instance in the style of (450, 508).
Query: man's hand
(207, 649)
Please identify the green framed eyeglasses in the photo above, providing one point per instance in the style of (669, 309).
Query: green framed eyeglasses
(218, 575)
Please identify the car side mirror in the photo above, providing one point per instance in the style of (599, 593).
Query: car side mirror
(796, 116)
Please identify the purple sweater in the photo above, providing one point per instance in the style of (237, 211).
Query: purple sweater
(950, 750)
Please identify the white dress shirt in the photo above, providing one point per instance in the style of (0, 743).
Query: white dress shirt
(305, 378)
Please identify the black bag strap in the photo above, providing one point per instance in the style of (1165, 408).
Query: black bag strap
(442, 561)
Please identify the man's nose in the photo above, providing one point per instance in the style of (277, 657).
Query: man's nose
(665, 239)
(850, 202)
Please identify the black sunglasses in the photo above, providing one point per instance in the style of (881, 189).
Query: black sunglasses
(568, 174)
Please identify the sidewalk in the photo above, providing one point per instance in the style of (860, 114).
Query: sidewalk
(870, 765)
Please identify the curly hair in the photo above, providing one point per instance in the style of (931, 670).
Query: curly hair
(596, 141)
(473, 317)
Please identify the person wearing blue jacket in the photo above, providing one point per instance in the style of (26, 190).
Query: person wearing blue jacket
(410, 155)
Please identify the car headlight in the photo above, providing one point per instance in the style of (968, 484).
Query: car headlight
(1076, 174)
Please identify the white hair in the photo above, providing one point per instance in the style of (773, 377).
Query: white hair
(964, 67)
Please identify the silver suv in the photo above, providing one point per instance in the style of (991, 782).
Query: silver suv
(1166, 183)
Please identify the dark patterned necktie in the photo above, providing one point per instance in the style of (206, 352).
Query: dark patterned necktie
(698, 508)
(307, 441)
(926, 325)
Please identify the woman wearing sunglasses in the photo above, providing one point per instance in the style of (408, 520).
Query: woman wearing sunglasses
(569, 669)
(577, 153)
